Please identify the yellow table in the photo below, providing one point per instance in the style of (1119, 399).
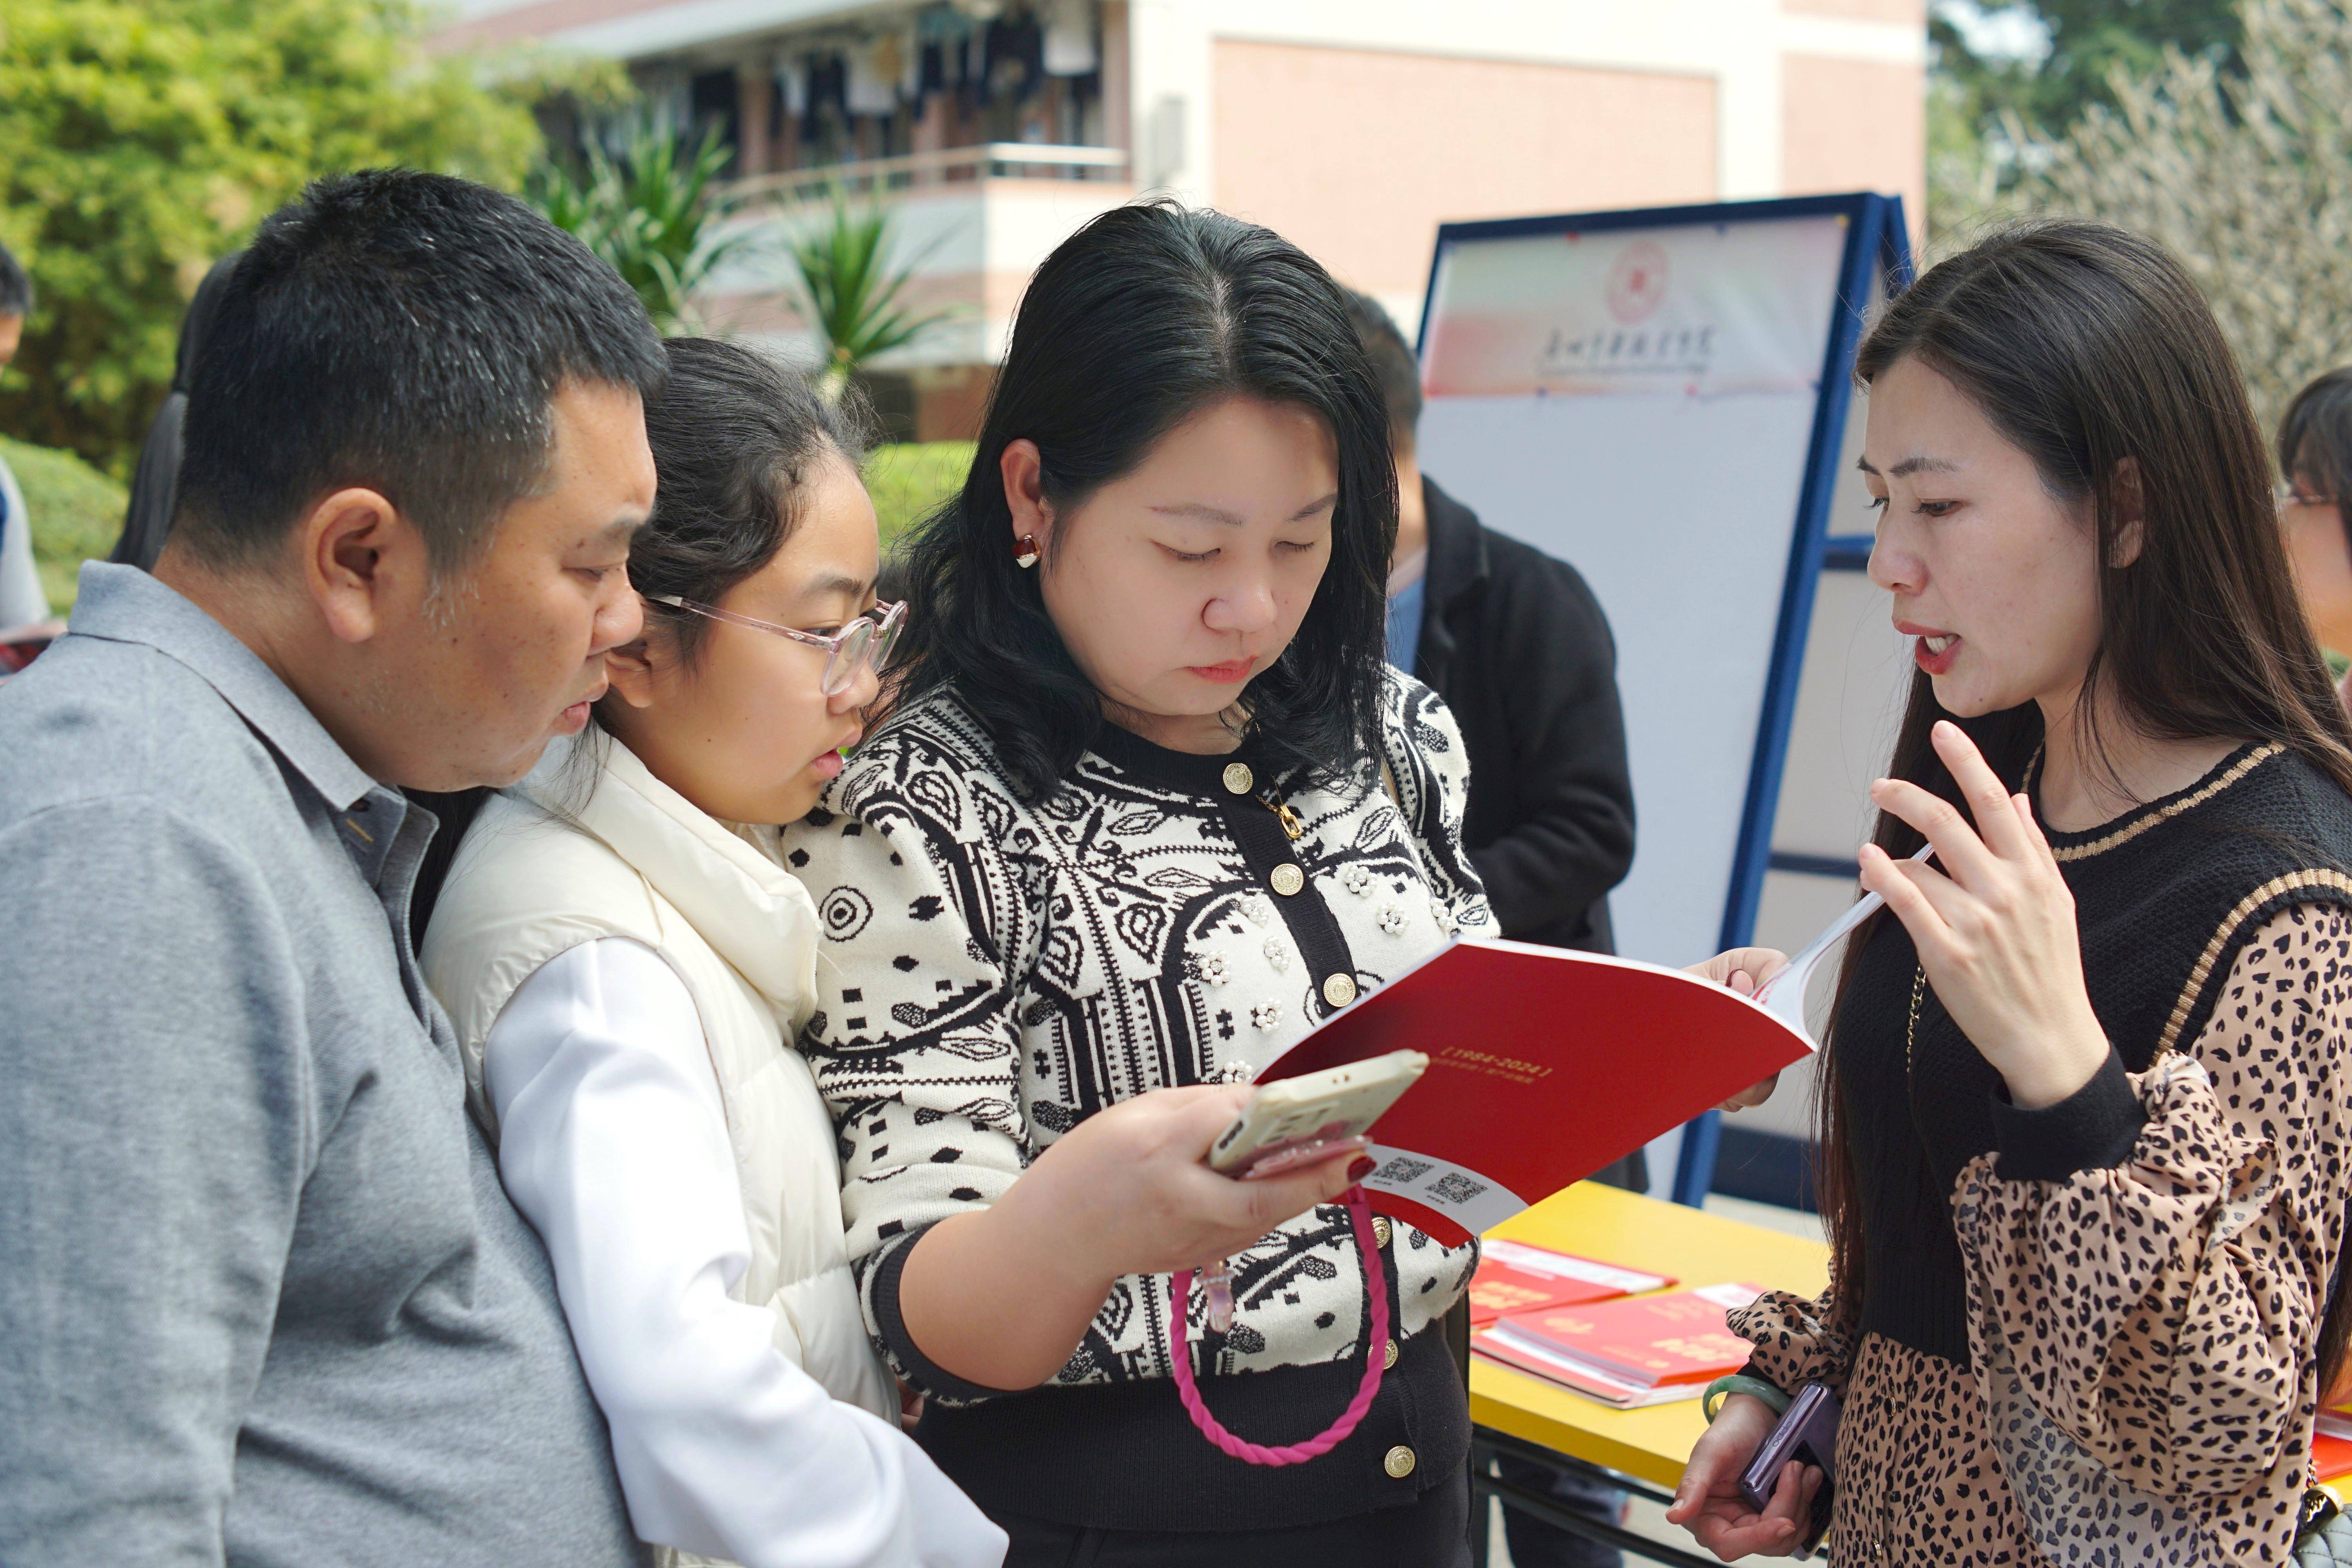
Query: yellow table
(1694, 1248)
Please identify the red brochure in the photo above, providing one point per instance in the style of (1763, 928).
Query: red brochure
(1516, 1278)
(1645, 1350)
(1544, 1065)
(2330, 1456)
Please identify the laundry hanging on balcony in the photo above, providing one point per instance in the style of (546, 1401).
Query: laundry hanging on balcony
(873, 77)
(1069, 41)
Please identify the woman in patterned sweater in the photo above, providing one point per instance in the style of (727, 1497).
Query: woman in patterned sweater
(2088, 1101)
(1149, 807)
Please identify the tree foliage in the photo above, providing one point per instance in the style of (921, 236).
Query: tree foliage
(140, 139)
(2244, 174)
(653, 214)
(2090, 40)
(1991, 118)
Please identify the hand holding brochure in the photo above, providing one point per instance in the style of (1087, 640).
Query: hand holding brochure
(1544, 1065)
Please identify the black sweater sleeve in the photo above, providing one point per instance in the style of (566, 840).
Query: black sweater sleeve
(1550, 649)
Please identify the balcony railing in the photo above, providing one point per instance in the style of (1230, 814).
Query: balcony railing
(948, 166)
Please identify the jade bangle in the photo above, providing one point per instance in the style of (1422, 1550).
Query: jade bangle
(1723, 1388)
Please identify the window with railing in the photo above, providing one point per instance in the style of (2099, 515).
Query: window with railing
(927, 95)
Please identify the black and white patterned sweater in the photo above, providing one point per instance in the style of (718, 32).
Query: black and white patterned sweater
(994, 972)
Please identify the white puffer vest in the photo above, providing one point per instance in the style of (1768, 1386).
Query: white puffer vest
(638, 861)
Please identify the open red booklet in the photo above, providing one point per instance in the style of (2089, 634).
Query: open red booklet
(1544, 1065)
(1516, 1278)
(1648, 1349)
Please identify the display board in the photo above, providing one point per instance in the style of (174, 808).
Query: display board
(1661, 399)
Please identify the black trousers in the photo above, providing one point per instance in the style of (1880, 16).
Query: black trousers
(1430, 1533)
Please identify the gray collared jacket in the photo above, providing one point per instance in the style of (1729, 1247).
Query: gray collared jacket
(262, 1299)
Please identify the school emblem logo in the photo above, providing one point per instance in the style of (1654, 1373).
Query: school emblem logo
(1637, 284)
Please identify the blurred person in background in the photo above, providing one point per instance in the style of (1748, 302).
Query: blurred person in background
(1519, 647)
(155, 483)
(22, 602)
(2314, 457)
(1516, 644)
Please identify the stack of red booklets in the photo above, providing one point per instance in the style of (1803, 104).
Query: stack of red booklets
(1516, 1278)
(1645, 1350)
(1544, 1065)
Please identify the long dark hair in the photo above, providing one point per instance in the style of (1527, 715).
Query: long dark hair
(1141, 318)
(2086, 345)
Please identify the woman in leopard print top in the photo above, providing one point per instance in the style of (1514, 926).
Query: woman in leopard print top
(2087, 1098)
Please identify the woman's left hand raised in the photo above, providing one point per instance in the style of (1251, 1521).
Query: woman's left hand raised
(1996, 936)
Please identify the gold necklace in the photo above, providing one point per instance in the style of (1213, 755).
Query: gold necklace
(1911, 1032)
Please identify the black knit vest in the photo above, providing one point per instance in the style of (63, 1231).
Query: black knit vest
(2165, 896)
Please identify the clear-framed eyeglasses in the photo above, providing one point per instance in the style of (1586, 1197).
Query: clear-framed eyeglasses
(864, 642)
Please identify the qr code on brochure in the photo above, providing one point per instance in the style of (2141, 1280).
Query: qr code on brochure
(1402, 1172)
(1456, 1188)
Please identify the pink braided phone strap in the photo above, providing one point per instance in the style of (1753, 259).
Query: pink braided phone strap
(1180, 1351)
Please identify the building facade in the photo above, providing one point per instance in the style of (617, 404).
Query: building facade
(1354, 127)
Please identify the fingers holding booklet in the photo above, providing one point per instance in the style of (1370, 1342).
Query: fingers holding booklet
(1545, 1065)
(1746, 970)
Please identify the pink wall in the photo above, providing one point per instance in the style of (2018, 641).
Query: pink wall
(1357, 155)
(1851, 125)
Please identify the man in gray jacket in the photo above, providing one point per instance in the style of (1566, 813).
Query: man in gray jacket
(262, 1299)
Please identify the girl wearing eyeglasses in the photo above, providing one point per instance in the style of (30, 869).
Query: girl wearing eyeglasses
(627, 954)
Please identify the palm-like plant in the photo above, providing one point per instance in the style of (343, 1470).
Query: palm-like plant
(653, 214)
(850, 288)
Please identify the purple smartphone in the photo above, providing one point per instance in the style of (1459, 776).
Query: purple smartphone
(1807, 1433)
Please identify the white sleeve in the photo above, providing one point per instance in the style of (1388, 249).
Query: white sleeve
(22, 602)
(613, 1145)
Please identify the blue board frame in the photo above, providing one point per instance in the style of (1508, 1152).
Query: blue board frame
(1877, 248)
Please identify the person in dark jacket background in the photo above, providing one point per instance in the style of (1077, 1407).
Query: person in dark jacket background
(1519, 647)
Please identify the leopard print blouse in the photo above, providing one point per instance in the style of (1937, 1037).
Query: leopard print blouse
(2143, 1383)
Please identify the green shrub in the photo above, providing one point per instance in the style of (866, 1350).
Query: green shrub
(77, 513)
(907, 481)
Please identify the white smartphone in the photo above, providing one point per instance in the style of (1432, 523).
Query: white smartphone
(1314, 1108)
